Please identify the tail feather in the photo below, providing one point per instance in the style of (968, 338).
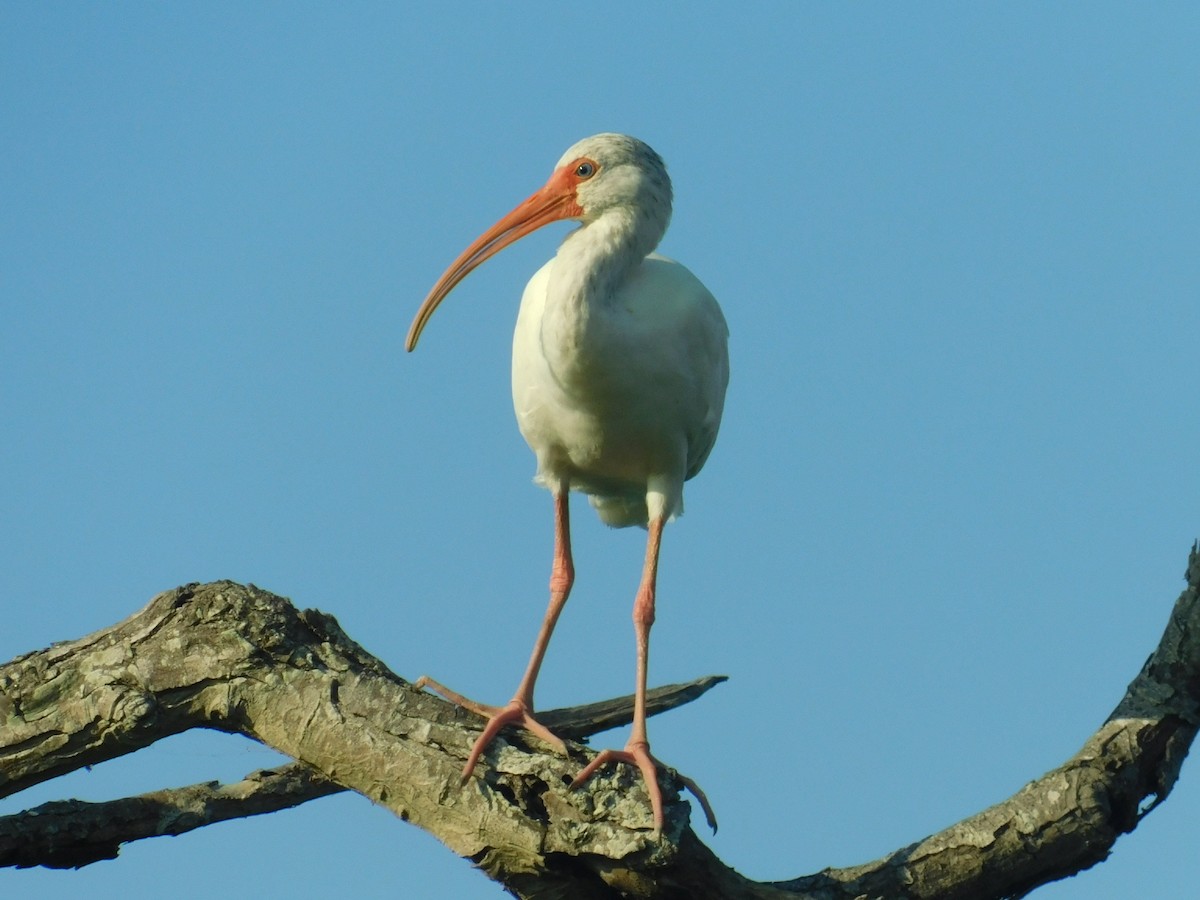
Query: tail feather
(622, 511)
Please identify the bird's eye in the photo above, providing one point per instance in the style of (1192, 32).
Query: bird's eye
(585, 169)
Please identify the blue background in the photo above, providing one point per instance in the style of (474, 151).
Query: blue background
(957, 479)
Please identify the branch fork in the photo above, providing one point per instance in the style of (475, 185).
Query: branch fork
(243, 660)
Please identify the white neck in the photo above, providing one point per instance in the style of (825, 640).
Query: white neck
(592, 264)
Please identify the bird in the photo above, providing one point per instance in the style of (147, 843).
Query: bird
(619, 372)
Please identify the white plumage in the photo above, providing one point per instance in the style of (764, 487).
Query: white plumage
(619, 371)
(636, 398)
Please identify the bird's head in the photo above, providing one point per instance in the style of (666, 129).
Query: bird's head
(615, 171)
(602, 174)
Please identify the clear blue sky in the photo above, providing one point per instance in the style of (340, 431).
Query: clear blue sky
(957, 480)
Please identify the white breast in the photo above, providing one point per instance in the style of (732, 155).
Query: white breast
(639, 404)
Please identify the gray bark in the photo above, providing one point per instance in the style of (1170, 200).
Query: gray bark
(239, 659)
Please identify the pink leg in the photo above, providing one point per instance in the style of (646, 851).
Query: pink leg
(637, 750)
(519, 710)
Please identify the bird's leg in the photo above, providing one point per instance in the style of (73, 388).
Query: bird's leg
(562, 576)
(519, 710)
(637, 750)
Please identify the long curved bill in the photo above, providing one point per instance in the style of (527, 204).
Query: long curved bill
(555, 201)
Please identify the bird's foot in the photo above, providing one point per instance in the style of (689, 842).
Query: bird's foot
(637, 753)
(516, 712)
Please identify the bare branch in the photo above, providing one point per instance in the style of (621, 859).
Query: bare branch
(1069, 819)
(240, 659)
(580, 722)
(69, 834)
(75, 833)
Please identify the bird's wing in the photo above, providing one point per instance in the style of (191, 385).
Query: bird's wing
(701, 347)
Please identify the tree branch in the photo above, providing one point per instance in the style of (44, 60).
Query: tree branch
(243, 660)
(69, 834)
(76, 833)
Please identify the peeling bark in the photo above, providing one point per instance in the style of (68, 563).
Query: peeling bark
(242, 660)
(69, 834)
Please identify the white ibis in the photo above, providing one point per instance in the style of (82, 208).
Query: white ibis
(619, 369)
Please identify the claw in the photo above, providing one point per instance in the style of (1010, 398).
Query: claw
(515, 712)
(637, 753)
